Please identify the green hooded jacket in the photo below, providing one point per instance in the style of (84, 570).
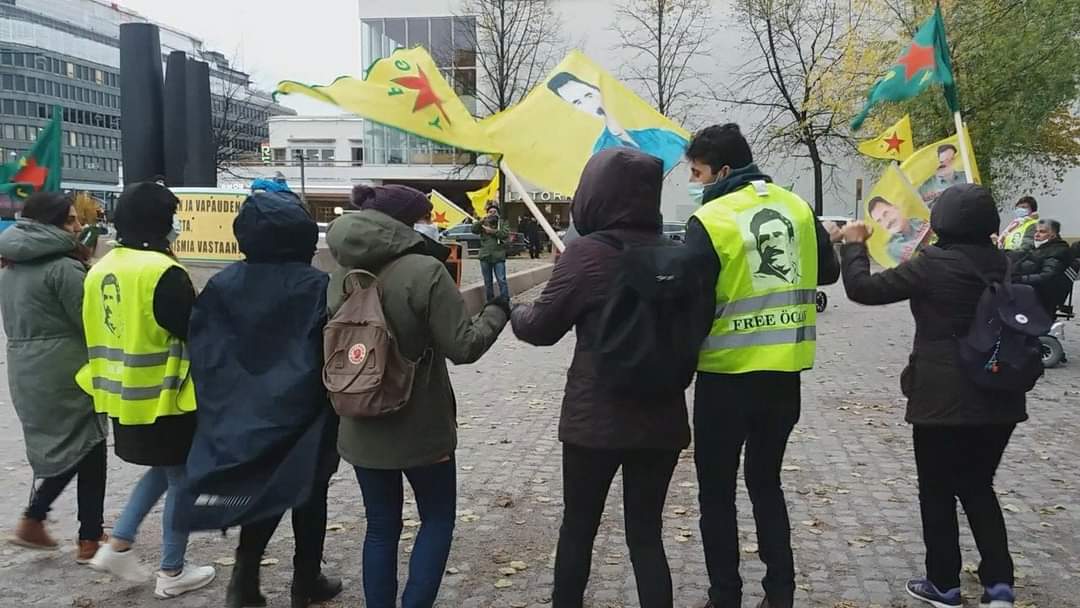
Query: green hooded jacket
(41, 295)
(428, 319)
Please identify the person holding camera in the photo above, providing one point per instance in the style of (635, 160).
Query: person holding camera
(494, 234)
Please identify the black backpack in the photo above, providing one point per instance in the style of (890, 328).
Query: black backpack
(1001, 349)
(651, 327)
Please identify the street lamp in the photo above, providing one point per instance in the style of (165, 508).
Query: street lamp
(303, 178)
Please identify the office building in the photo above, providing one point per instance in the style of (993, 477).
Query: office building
(66, 52)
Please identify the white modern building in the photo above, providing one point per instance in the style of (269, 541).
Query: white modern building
(339, 152)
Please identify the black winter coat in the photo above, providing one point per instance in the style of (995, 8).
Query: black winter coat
(1044, 269)
(943, 291)
(620, 195)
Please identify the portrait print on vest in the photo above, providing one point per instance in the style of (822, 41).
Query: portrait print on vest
(774, 257)
(110, 304)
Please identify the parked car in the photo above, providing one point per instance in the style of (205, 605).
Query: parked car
(675, 231)
(463, 234)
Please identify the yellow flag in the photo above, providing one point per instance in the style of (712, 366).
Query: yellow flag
(406, 91)
(445, 213)
(894, 143)
(578, 111)
(480, 197)
(936, 167)
(900, 219)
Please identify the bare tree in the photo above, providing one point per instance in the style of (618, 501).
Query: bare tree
(237, 108)
(811, 62)
(517, 42)
(664, 38)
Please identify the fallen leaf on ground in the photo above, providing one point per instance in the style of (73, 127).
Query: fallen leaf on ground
(503, 583)
(225, 561)
(270, 561)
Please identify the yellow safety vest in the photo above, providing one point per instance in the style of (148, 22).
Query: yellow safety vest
(1015, 239)
(766, 240)
(137, 370)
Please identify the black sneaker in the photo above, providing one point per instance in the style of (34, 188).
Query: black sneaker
(923, 590)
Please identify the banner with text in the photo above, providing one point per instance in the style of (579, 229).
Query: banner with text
(207, 219)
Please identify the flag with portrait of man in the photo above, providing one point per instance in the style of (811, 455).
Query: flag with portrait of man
(579, 110)
(900, 219)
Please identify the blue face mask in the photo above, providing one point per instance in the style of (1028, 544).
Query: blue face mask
(1021, 212)
(697, 190)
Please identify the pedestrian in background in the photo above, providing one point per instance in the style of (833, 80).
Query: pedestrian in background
(430, 324)
(41, 299)
(960, 430)
(1044, 266)
(601, 432)
(766, 253)
(136, 308)
(266, 435)
(1020, 233)
(531, 229)
(494, 234)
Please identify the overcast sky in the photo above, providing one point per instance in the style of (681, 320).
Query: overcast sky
(312, 41)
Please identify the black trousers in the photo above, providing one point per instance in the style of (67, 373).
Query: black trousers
(960, 462)
(759, 410)
(308, 521)
(91, 471)
(587, 476)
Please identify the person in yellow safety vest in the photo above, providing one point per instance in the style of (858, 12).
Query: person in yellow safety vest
(1019, 235)
(136, 304)
(766, 252)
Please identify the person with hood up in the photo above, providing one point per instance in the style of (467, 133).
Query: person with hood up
(136, 307)
(619, 195)
(41, 298)
(265, 441)
(960, 430)
(430, 324)
(1045, 265)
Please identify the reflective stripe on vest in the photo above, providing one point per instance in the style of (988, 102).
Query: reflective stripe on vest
(1015, 239)
(765, 238)
(137, 372)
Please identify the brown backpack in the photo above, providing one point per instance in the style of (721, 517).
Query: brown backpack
(365, 373)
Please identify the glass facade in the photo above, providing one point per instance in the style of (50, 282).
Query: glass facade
(451, 41)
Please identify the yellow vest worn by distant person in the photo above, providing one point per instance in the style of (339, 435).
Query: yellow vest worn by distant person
(1015, 239)
(766, 240)
(138, 372)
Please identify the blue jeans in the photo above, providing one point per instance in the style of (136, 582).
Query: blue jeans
(157, 481)
(499, 270)
(435, 487)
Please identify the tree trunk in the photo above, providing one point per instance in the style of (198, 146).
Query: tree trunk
(819, 178)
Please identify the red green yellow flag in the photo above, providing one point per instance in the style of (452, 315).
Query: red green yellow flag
(36, 170)
(924, 62)
(406, 91)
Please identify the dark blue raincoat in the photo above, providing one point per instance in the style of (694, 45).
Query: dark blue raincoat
(266, 429)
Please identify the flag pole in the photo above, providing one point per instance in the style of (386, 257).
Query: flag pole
(516, 184)
(961, 138)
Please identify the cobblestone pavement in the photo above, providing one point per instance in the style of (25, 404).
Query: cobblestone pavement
(849, 477)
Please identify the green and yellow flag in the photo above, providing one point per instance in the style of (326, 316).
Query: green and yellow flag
(925, 62)
(36, 170)
(444, 213)
(481, 197)
(406, 91)
(578, 111)
(935, 168)
(893, 144)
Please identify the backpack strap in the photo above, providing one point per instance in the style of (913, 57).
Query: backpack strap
(357, 279)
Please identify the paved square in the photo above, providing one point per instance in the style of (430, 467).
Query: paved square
(849, 477)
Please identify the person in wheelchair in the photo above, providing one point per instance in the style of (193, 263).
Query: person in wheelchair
(1045, 266)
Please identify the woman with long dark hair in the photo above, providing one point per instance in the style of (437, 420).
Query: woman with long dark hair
(41, 293)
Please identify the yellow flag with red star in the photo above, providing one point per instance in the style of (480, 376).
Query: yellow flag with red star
(406, 91)
(893, 144)
(444, 213)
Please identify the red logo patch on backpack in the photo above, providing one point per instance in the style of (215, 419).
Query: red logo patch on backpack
(357, 354)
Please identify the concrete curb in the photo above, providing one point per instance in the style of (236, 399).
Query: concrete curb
(518, 282)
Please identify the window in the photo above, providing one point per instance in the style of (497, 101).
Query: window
(9, 132)
(20, 132)
(20, 107)
(418, 33)
(6, 58)
(73, 139)
(9, 82)
(9, 106)
(69, 69)
(394, 36)
(32, 85)
(278, 155)
(465, 42)
(442, 46)
(20, 82)
(20, 60)
(357, 157)
(99, 76)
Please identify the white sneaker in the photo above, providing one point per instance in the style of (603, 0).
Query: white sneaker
(124, 565)
(190, 579)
